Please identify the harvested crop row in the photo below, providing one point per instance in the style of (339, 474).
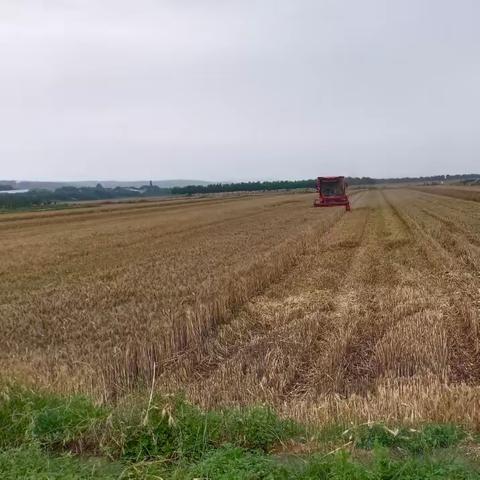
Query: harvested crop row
(93, 307)
(465, 193)
(376, 323)
(329, 317)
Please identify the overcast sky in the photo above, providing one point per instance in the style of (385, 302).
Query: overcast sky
(238, 89)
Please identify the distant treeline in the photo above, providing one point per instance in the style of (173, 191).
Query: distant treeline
(259, 186)
(43, 197)
(305, 184)
(39, 198)
(244, 187)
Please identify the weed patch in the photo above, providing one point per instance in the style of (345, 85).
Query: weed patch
(52, 437)
(176, 430)
(32, 463)
(49, 420)
(414, 440)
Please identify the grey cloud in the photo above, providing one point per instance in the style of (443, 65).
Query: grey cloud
(238, 89)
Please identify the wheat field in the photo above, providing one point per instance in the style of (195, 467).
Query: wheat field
(325, 315)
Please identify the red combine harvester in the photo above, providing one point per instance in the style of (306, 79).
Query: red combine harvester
(332, 193)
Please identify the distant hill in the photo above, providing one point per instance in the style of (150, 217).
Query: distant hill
(30, 185)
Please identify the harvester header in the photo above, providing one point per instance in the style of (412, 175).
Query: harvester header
(332, 193)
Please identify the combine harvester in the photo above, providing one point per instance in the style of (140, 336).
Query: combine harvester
(332, 193)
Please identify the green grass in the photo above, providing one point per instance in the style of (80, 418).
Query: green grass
(44, 436)
(229, 462)
(28, 417)
(32, 463)
(415, 440)
(175, 430)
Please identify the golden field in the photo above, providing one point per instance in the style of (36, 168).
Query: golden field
(471, 193)
(326, 315)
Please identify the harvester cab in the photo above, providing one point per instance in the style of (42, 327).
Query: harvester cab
(332, 193)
